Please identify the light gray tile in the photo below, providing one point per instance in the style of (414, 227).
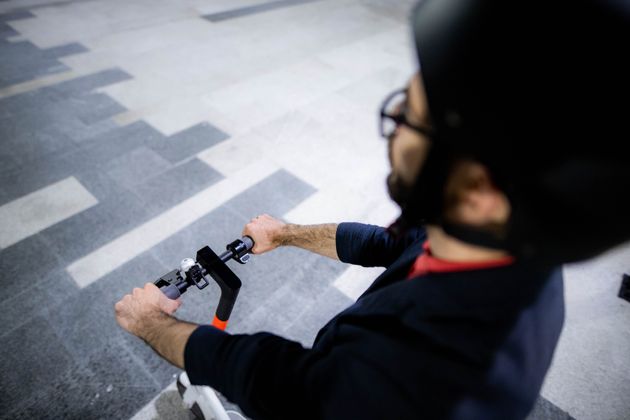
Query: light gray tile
(40, 209)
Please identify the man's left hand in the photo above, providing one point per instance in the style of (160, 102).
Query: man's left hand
(138, 311)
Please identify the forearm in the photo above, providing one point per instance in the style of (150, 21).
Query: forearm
(320, 239)
(168, 337)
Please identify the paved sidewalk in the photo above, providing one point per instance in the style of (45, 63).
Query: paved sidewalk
(132, 133)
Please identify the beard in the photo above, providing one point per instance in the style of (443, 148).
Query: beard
(398, 190)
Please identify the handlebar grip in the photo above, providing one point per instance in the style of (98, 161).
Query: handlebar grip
(171, 291)
(248, 241)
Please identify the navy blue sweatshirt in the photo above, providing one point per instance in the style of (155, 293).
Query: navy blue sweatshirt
(460, 345)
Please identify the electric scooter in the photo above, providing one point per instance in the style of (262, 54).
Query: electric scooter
(203, 400)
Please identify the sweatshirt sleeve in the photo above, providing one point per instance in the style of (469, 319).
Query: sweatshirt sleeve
(372, 246)
(270, 377)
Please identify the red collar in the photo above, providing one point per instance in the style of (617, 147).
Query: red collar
(427, 263)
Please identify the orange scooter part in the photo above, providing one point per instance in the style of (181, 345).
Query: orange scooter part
(217, 323)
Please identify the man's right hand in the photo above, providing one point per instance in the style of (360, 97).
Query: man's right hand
(266, 232)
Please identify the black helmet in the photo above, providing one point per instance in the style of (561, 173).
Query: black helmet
(539, 94)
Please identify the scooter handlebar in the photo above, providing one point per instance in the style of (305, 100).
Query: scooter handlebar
(248, 241)
(171, 291)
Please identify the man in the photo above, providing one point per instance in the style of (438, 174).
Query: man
(448, 335)
(464, 321)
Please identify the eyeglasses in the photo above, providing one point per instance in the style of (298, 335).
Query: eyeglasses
(393, 115)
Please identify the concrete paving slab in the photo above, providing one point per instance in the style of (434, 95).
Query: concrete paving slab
(26, 263)
(175, 185)
(189, 142)
(46, 355)
(38, 210)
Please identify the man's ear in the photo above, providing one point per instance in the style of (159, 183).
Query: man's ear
(472, 197)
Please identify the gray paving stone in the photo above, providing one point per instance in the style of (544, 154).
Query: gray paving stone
(25, 302)
(84, 324)
(98, 126)
(115, 365)
(97, 107)
(136, 167)
(16, 15)
(81, 234)
(7, 164)
(250, 10)
(112, 384)
(86, 319)
(69, 396)
(83, 162)
(176, 184)
(100, 185)
(36, 116)
(95, 152)
(18, 53)
(28, 103)
(262, 277)
(216, 229)
(21, 179)
(44, 108)
(52, 68)
(27, 143)
(282, 307)
(159, 370)
(276, 195)
(46, 359)
(6, 31)
(23, 61)
(25, 264)
(168, 406)
(91, 336)
(90, 82)
(285, 289)
(123, 403)
(265, 274)
(546, 410)
(65, 50)
(189, 142)
(34, 129)
(305, 328)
